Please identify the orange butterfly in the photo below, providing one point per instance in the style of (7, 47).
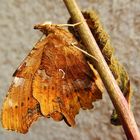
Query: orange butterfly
(54, 80)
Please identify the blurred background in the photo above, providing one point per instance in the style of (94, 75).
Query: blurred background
(121, 19)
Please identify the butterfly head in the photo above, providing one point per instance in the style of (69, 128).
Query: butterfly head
(46, 27)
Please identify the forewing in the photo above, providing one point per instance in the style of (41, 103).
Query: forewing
(20, 108)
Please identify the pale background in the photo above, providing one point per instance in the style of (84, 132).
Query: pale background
(121, 19)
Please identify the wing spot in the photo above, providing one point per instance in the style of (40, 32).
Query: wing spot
(43, 74)
(10, 102)
(22, 104)
(63, 73)
(76, 90)
(44, 87)
(16, 106)
(18, 81)
(67, 95)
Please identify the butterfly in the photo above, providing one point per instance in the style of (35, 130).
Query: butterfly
(54, 80)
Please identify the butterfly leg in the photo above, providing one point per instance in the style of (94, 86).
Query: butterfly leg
(83, 51)
(69, 25)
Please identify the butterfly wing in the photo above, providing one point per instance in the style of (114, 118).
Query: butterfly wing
(64, 82)
(54, 81)
(20, 108)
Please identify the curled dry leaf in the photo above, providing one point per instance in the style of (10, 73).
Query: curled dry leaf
(54, 80)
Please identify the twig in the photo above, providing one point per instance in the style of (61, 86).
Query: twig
(120, 104)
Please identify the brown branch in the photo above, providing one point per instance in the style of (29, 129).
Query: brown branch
(118, 100)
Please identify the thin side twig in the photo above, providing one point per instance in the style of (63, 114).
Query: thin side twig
(118, 100)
